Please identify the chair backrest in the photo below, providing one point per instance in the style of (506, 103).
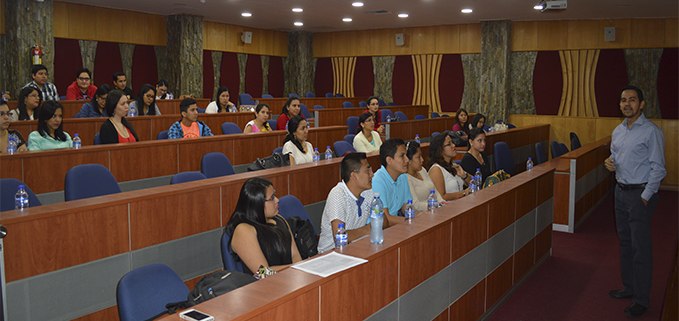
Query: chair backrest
(341, 147)
(290, 206)
(200, 110)
(400, 115)
(420, 117)
(162, 135)
(575, 141)
(385, 113)
(540, 153)
(434, 134)
(230, 128)
(184, 177)
(245, 99)
(272, 123)
(228, 260)
(309, 95)
(352, 123)
(510, 126)
(362, 103)
(216, 164)
(564, 149)
(503, 158)
(8, 188)
(347, 104)
(293, 95)
(435, 115)
(277, 150)
(97, 139)
(318, 107)
(305, 111)
(486, 128)
(267, 96)
(339, 95)
(556, 149)
(143, 292)
(328, 95)
(89, 180)
(349, 138)
(392, 104)
(381, 103)
(445, 116)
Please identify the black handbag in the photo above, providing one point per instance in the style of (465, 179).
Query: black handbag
(273, 161)
(457, 139)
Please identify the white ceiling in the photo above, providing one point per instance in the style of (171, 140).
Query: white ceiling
(326, 15)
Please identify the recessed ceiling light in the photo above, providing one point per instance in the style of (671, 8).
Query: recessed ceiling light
(246, 14)
(347, 19)
(403, 15)
(299, 24)
(357, 4)
(538, 7)
(297, 9)
(467, 10)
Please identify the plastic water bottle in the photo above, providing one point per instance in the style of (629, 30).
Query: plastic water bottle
(286, 125)
(21, 198)
(376, 220)
(410, 211)
(388, 119)
(132, 112)
(432, 203)
(328, 153)
(233, 109)
(341, 237)
(472, 185)
(76, 142)
(317, 155)
(529, 164)
(170, 96)
(417, 139)
(11, 146)
(479, 179)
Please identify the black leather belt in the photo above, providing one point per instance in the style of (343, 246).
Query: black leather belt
(629, 187)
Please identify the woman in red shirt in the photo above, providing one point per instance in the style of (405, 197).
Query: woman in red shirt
(374, 109)
(117, 129)
(291, 109)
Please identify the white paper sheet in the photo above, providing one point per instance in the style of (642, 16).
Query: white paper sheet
(329, 264)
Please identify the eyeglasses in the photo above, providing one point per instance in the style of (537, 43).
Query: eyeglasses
(5, 113)
(83, 79)
(34, 95)
(369, 120)
(273, 197)
(367, 170)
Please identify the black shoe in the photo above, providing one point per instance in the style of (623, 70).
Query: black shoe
(620, 294)
(635, 310)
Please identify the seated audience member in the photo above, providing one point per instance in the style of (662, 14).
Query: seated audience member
(418, 179)
(222, 104)
(296, 144)
(28, 107)
(189, 126)
(390, 180)
(478, 121)
(374, 109)
(50, 133)
(117, 129)
(81, 88)
(6, 133)
(161, 90)
(96, 107)
(475, 156)
(120, 83)
(462, 121)
(145, 103)
(46, 89)
(367, 139)
(291, 109)
(448, 177)
(349, 202)
(260, 123)
(259, 235)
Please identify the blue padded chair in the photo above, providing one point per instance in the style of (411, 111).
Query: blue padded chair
(97, 139)
(486, 128)
(510, 126)
(228, 260)
(215, 165)
(89, 180)
(290, 206)
(381, 103)
(503, 158)
(420, 117)
(246, 99)
(392, 104)
(162, 135)
(9, 187)
(347, 104)
(143, 292)
(540, 154)
(350, 138)
(564, 149)
(329, 95)
(272, 123)
(200, 110)
(310, 95)
(184, 177)
(556, 149)
(339, 95)
(277, 150)
(385, 113)
(458, 162)
(230, 128)
(305, 111)
(293, 95)
(362, 103)
(445, 115)
(318, 107)
(267, 96)
(400, 115)
(435, 115)
(342, 147)
(352, 123)
(62, 97)
(575, 141)
(434, 134)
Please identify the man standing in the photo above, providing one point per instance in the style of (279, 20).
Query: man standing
(638, 160)
(81, 88)
(120, 83)
(189, 126)
(390, 180)
(47, 90)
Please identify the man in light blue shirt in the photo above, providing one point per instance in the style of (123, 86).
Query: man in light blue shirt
(391, 180)
(638, 160)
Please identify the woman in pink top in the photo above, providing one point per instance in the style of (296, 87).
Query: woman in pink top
(462, 121)
(260, 123)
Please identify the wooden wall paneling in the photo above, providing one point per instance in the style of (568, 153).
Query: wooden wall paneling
(380, 42)
(593, 109)
(545, 188)
(470, 38)
(12, 167)
(561, 187)
(42, 178)
(400, 130)
(156, 30)
(86, 130)
(331, 117)
(553, 35)
(470, 229)
(30, 248)
(145, 161)
(264, 41)
(447, 39)
(159, 124)
(648, 33)
(303, 307)
(419, 260)
(143, 127)
(321, 44)
(419, 127)
(524, 36)
(471, 305)
(406, 49)
(136, 23)
(307, 192)
(79, 28)
(59, 18)
(108, 24)
(501, 212)
(671, 32)
(191, 152)
(580, 35)
(566, 95)
(622, 33)
(246, 153)
(605, 126)
(423, 40)
(328, 138)
(526, 198)
(524, 259)
(213, 39)
(670, 130)
(499, 281)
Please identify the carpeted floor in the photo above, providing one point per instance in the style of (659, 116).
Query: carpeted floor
(573, 284)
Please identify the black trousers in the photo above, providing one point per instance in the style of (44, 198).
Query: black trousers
(633, 220)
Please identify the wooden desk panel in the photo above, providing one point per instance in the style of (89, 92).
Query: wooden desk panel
(276, 104)
(423, 257)
(338, 116)
(166, 106)
(191, 152)
(248, 147)
(143, 161)
(501, 211)
(46, 170)
(315, 182)
(526, 198)
(469, 230)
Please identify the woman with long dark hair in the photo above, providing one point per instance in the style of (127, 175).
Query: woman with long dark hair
(374, 109)
(419, 181)
(96, 107)
(117, 129)
(50, 133)
(292, 108)
(367, 139)
(260, 123)
(222, 103)
(478, 121)
(448, 177)
(475, 156)
(461, 121)
(259, 235)
(296, 144)
(6, 133)
(145, 103)
(29, 105)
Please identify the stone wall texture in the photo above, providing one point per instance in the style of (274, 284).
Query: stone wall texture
(383, 71)
(88, 52)
(642, 71)
(300, 63)
(522, 65)
(3, 65)
(242, 64)
(494, 82)
(185, 54)
(471, 66)
(163, 64)
(265, 74)
(127, 55)
(217, 71)
(31, 23)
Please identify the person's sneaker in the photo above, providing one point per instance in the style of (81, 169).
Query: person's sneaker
(620, 294)
(635, 310)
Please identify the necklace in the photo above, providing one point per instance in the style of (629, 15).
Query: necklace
(121, 131)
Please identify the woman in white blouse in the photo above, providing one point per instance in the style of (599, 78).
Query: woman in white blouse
(448, 177)
(367, 139)
(418, 179)
(295, 142)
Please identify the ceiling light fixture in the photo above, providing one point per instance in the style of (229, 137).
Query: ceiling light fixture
(357, 4)
(347, 20)
(299, 24)
(297, 9)
(403, 15)
(246, 14)
(467, 10)
(538, 7)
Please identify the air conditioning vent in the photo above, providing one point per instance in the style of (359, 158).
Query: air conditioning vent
(381, 11)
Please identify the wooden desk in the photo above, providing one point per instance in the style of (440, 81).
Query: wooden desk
(276, 104)
(166, 106)
(580, 183)
(521, 141)
(338, 116)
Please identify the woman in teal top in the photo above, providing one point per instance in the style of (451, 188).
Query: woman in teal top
(50, 133)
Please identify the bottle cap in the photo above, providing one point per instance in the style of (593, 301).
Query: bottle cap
(11, 138)
(340, 225)
(377, 194)
(410, 201)
(529, 158)
(76, 135)
(432, 191)
(316, 149)
(328, 147)
(21, 187)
